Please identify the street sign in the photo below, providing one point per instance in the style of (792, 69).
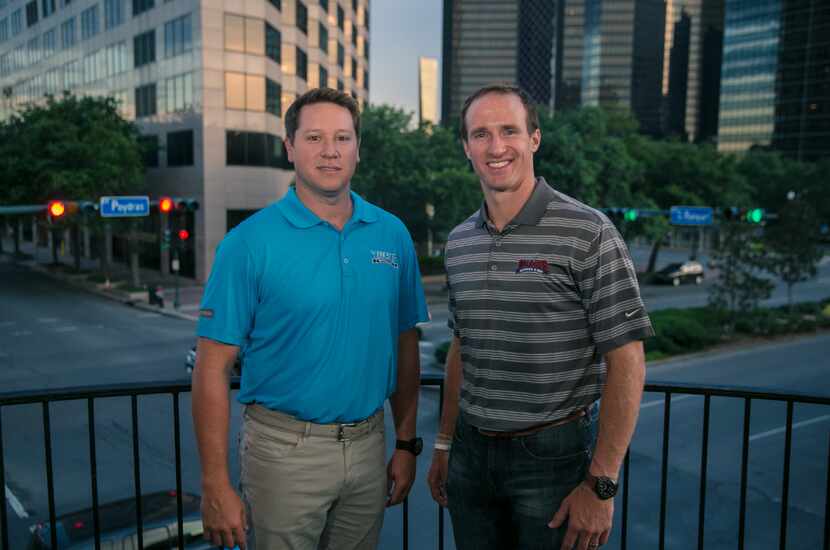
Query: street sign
(124, 207)
(691, 215)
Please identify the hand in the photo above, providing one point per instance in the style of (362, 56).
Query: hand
(589, 519)
(400, 474)
(223, 517)
(437, 477)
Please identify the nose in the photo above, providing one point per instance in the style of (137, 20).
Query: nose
(330, 149)
(496, 147)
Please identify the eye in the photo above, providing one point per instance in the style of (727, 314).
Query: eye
(510, 131)
(479, 135)
(313, 138)
(344, 137)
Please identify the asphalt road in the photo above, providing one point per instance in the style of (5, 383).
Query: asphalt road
(52, 336)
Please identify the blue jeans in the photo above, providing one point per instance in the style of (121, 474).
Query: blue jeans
(503, 492)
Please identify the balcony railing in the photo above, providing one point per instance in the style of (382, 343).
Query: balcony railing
(134, 391)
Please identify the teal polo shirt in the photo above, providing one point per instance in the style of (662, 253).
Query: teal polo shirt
(316, 311)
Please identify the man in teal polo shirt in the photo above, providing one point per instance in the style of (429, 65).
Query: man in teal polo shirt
(321, 293)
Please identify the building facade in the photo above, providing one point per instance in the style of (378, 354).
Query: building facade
(206, 81)
(776, 78)
(428, 90)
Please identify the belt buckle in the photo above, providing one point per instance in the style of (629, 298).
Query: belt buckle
(340, 436)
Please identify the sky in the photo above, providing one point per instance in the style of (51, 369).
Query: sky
(401, 31)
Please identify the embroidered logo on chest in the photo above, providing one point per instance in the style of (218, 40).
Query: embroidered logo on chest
(383, 257)
(533, 266)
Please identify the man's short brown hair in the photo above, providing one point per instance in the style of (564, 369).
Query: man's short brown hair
(320, 95)
(504, 89)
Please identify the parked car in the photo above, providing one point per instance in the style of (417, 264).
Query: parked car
(681, 272)
(190, 363)
(75, 530)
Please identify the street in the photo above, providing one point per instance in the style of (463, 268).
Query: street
(54, 336)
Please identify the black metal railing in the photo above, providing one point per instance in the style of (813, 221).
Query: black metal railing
(133, 391)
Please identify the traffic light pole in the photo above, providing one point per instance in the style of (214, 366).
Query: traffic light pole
(176, 277)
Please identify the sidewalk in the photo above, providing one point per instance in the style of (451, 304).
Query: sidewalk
(190, 293)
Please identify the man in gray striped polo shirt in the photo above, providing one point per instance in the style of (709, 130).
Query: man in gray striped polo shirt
(547, 318)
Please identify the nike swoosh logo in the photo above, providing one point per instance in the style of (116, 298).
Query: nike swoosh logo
(628, 314)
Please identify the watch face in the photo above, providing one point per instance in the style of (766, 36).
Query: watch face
(417, 445)
(606, 488)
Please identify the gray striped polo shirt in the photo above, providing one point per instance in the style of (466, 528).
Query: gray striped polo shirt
(536, 307)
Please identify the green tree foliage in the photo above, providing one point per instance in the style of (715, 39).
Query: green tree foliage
(68, 147)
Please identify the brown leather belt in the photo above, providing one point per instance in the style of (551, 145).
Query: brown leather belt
(538, 428)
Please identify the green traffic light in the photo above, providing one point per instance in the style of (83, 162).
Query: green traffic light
(755, 215)
(631, 215)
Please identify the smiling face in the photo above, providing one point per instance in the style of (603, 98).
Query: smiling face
(324, 149)
(498, 143)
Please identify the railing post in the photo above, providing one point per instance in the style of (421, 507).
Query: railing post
(704, 464)
(177, 438)
(664, 479)
(139, 522)
(93, 472)
(50, 478)
(4, 521)
(785, 489)
(744, 466)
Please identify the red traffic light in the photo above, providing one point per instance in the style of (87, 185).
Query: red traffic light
(57, 209)
(165, 204)
(184, 234)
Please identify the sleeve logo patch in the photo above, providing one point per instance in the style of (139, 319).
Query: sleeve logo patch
(533, 266)
(206, 313)
(383, 257)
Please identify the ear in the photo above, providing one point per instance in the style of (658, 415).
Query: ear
(535, 140)
(466, 149)
(289, 149)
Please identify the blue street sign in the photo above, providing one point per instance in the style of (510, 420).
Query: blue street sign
(691, 215)
(124, 207)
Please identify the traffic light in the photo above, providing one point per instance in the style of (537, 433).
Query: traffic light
(755, 215)
(631, 214)
(165, 205)
(56, 209)
(187, 205)
(729, 213)
(184, 235)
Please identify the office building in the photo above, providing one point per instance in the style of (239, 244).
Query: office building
(206, 81)
(428, 90)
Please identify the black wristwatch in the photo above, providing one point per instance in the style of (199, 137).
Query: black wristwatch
(604, 487)
(414, 446)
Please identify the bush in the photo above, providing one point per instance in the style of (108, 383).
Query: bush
(431, 265)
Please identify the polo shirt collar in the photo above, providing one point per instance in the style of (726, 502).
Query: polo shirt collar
(300, 216)
(533, 209)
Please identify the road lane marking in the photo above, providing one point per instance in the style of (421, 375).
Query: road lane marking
(15, 504)
(148, 315)
(190, 307)
(663, 401)
(66, 329)
(777, 431)
(47, 320)
(22, 333)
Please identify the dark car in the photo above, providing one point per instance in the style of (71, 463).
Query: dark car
(681, 272)
(190, 363)
(117, 519)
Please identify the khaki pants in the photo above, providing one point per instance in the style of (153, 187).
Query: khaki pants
(310, 486)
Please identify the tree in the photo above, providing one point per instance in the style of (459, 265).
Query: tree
(70, 148)
(740, 260)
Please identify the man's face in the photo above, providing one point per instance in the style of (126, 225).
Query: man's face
(325, 149)
(498, 143)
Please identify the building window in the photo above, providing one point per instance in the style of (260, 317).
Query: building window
(244, 92)
(150, 150)
(140, 6)
(273, 97)
(341, 18)
(73, 74)
(301, 17)
(254, 149)
(276, 3)
(365, 79)
(339, 85)
(47, 7)
(94, 67)
(34, 50)
(366, 49)
(180, 148)
(354, 69)
(50, 42)
(273, 43)
(323, 37)
(178, 36)
(302, 64)
(31, 13)
(178, 94)
(5, 65)
(145, 100)
(354, 36)
(89, 22)
(17, 22)
(68, 33)
(366, 18)
(144, 48)
(116, 58)
(113, 13)
(323, 77)
(341, 55)
(325, 5)
(244, 34)
(4, 29)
